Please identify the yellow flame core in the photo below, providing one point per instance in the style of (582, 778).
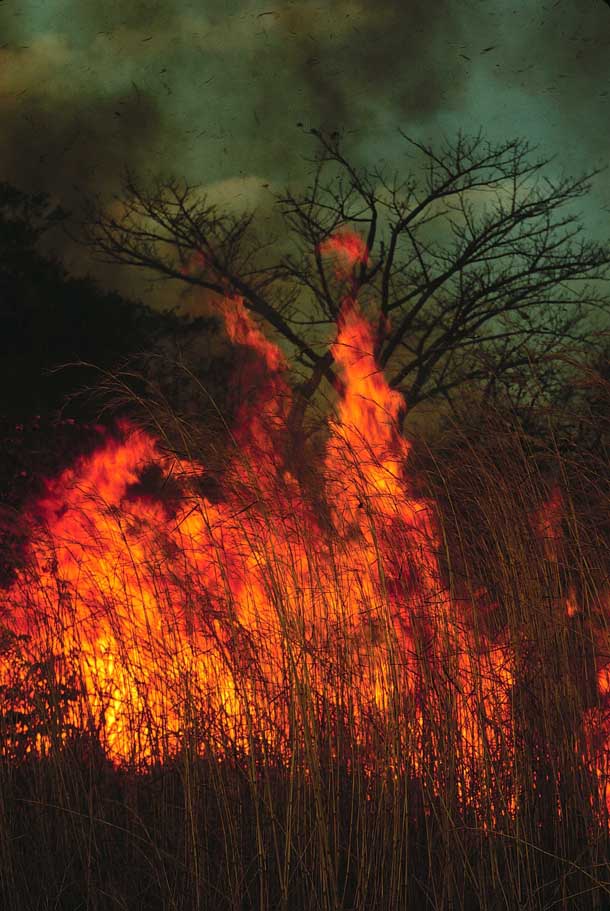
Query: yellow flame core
(182, 617)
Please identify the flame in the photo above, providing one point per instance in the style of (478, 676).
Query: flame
(348, 245)
(347, 249)
(163, 612)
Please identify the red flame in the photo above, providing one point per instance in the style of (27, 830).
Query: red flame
(172, 612)
(348, 250)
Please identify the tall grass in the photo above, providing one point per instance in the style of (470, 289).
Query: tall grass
(475, 778)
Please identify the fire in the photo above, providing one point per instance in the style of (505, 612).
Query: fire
(347, 246)
(348, 250)
(162, 613)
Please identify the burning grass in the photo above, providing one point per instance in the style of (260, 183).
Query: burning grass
(258, 692)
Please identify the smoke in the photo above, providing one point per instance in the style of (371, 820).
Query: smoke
(79, 146)
(89, 88)
(73, 117)
(359, 60)
(73, 114)
(564, 60)
(217, 94)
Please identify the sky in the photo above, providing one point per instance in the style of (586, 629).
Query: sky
(222, 92)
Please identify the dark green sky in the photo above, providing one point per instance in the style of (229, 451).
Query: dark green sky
(214, 90)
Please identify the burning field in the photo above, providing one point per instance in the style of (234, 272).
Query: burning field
(358, 706)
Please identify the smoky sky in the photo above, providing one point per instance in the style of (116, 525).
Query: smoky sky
(219, 92)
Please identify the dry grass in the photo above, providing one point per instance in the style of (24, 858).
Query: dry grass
(452, 790)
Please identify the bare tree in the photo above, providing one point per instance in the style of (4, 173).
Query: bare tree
(477, 270)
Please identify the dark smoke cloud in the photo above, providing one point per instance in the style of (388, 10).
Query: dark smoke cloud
(565, 57)
(364, 59)
(78, 146)
(353, 67)
(68, 125)
(76, 150)
(333, 66)
(71, 123)
(214, 91)
(81, 21)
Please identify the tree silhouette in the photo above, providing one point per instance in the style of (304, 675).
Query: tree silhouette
(477, 269)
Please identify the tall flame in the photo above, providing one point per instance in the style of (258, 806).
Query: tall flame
(164, 612)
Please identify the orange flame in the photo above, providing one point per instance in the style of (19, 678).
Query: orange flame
(167, 613)
(348, 250)
(348, 245)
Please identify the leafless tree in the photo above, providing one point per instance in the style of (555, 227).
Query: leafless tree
(477, 273)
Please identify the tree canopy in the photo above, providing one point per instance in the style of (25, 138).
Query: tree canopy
(476, 269)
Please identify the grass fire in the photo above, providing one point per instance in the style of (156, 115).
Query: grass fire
(330, 679)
